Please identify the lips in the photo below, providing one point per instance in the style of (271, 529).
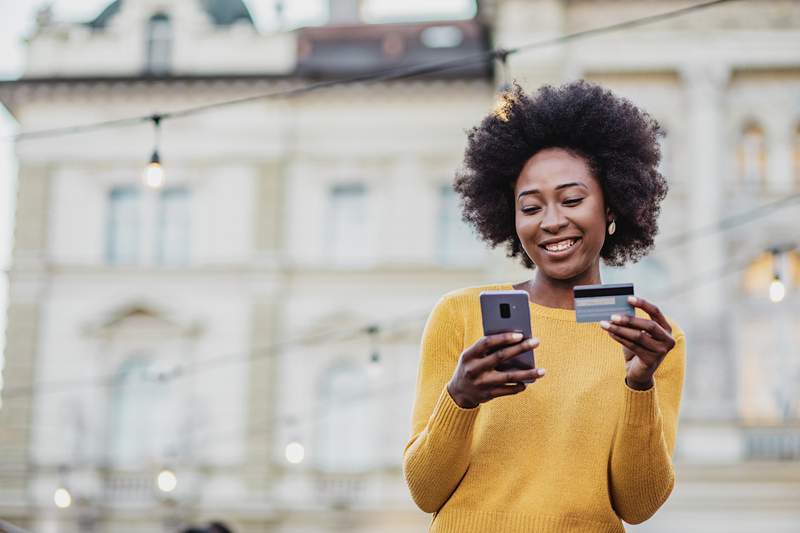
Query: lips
(560, 247)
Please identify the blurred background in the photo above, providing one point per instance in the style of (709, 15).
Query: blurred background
(215, 314)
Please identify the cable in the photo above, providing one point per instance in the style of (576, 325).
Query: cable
(270, 350)
(729, 222)
(181, 372)
(386, 75)
(707, 277)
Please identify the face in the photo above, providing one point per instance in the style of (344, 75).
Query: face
(561, 216)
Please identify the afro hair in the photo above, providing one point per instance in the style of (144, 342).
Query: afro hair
(618, 141)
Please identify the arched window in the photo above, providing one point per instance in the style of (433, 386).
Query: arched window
(142, 415)
(345, 440)
(752, 157)
(159, 45)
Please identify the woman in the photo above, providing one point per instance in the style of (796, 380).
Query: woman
(563, 178)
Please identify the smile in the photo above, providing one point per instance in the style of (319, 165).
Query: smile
(560, 247)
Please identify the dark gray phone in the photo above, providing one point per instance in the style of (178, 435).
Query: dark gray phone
(504, 311)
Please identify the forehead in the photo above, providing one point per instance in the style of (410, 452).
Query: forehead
(552, 166)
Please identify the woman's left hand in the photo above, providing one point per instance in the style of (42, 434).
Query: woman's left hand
(645, 342)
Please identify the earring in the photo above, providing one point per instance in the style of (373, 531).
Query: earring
(612, 227)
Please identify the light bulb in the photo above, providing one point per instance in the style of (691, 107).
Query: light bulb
(167, 481)
(295, 452)
(375, 368)
(62, 498)
(153, 175)
(777, 290)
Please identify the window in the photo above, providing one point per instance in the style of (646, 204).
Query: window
(123, 226)
(173, 226)
(457, 244)
(159, 45)
(348, 224)
(345, 437)
(142, 415)
(752, 157)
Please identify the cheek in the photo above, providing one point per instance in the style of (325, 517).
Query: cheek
(526, 227)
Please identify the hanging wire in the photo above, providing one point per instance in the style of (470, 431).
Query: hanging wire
(385, 75)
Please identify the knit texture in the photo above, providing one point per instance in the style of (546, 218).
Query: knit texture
(577, 451)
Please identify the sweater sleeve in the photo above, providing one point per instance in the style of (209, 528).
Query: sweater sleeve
(641, 473)
(437, 455)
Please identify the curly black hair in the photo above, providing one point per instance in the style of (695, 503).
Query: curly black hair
(618, 141)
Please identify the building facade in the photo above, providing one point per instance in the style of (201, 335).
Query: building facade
(249, 331)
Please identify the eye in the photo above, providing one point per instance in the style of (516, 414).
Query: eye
(529, 210)
(572, 201)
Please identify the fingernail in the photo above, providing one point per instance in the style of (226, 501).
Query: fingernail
(541, 372)
(532, 342)
(616, 318)
(632, 299)
(604, 324)
(516, 336)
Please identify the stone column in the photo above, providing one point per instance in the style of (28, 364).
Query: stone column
(26, 282)
(710, 393)
(711, 364)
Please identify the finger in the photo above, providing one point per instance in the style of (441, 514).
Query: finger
(652, 310)
(648, 357)
(494, 378)
(490, 343)
(650, 326)
(506, 390)
(491, 361)
(637, 336)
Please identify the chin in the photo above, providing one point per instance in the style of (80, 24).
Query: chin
(562, 272)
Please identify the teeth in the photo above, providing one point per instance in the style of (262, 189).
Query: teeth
(560, 246)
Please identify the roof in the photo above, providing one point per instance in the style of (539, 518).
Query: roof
(222, 12)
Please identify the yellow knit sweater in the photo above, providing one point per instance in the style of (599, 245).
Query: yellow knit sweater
(577, 451)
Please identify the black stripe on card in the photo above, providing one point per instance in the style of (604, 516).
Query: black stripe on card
(613, 289)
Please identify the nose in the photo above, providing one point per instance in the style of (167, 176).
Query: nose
(553, 221)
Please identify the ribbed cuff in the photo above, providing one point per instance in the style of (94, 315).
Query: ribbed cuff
(450, 419)
(641, 407)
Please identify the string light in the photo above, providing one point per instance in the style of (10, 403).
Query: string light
(62, 498)
(777, 290)
(153, 175)
(167, 481)
(295, 452)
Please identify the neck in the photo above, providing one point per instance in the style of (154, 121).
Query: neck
(551, 292)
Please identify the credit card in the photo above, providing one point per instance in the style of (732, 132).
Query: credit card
(594, 303)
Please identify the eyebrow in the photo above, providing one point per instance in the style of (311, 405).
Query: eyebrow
(558, 187)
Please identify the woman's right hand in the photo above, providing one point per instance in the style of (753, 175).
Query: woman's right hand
(476, 381)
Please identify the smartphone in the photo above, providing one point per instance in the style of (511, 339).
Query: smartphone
(504, 311)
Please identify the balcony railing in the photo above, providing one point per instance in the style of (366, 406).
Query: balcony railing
(772, 443)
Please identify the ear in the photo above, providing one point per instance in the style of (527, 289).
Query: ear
(609, 215)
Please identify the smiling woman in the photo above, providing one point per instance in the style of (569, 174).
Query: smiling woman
(564, 178)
